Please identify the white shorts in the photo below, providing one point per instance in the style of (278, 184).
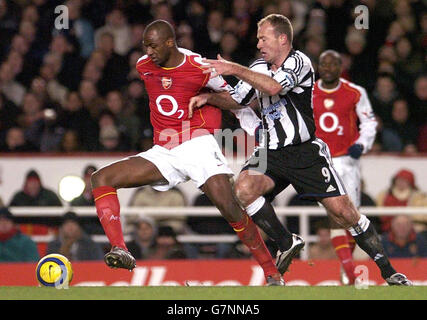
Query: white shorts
(197, 159)
(348, 169)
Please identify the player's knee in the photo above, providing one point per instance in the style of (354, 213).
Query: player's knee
(98, 179)
(245, 191)
(346, 217)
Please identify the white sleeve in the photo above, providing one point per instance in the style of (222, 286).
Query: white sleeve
(218, 84)
(296, 71)
(248, 119)
(368, 124)
(243, 93)
(215, 83)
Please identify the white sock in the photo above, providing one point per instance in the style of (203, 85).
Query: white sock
(360, 227)
(255, 206)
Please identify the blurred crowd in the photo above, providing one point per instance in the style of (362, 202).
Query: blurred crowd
(158, 237)
(77, 89)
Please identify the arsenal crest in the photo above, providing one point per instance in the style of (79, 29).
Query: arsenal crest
(328, 103)
(166, 82)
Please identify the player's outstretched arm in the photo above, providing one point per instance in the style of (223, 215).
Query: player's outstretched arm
(257, 80)
(222, 100)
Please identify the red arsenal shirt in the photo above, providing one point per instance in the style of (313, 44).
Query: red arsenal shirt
(343, 116)
(170, 90)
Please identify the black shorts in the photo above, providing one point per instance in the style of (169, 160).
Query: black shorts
(307, 167)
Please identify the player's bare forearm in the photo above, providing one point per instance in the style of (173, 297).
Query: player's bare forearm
(223, 100)
(257, 80)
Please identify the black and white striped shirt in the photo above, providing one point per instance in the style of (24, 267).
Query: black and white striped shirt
(287, 117)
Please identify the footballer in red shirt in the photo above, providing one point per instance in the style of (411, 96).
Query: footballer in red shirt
(184, 149)
(346, 123)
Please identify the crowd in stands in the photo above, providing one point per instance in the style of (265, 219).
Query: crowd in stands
(77, 90)
(403, 236)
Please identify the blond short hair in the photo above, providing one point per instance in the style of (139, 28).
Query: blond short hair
(281, 25)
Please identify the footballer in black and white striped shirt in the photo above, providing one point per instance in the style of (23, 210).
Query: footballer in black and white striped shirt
(282, 81)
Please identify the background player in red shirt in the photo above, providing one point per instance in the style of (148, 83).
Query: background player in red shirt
(345, 121)
(184, 149)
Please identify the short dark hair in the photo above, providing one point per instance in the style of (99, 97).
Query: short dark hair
(164, 28)
(281, 24)
(333, 53)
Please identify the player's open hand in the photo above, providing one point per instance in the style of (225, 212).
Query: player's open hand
(196, 102)
(217, 67)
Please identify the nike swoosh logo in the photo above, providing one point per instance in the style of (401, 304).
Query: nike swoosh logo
(254, 248)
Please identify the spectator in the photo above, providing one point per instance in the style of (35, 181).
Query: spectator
(9, 18)
(164, 11)
(418, 105)
(167, 245)
(81, 28)
(73, 242)
(15, 141)
(185, 37)
(66, 47)
(214, 31)
(116, 66)
(137, 31)
(46, 132)
(229, 48)
(323, 248)
(93, 73)
(32, 108)
(8, 114)
(400, 135)
(133, 74)
(138, 101)
(86, 198)
(39, 88)
(149, 197)
(91, 223)
(49, 72)
(91, 99)
(70, 142)
(143, 238)
(401, 193)
(74, 116)
(209, 226)
(34, 193)
(109, 140)
(402, 241)
(14, 245)
(128, 123)
(13, 90)
(116, 24)
(409, 63)
(382, 97)
(29, 63)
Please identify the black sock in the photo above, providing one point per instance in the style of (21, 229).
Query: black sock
(267, 220)
(370, 242)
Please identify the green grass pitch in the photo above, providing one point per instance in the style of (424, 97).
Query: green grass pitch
(215, 293)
